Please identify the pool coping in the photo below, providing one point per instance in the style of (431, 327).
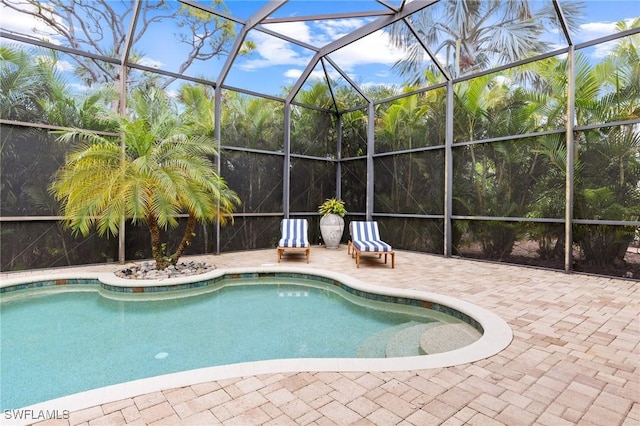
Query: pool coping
(497, 335)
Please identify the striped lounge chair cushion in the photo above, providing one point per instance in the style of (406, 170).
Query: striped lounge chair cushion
(366, 237)
(294, 233)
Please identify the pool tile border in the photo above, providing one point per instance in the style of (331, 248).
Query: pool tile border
(154, 287)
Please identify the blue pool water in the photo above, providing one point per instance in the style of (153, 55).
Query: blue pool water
(61, 343)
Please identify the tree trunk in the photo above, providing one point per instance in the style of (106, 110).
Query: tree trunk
(156, 246)
(186, 239)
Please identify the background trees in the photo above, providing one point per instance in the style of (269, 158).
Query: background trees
(509, 190)
(474, 35)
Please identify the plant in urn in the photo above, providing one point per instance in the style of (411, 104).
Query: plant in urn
(332, 222)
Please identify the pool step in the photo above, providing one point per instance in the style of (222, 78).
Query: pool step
(376, 345)
(406, 342)
(415, 338)
(447, 337)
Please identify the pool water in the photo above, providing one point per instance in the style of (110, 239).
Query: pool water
(60, 343)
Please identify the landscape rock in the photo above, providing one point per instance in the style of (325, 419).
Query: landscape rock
(148, 271)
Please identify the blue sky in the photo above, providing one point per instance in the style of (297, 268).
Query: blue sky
(278, 63)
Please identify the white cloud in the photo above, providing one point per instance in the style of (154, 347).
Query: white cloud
(64, 66)
(317, 33)
(296, 30)
(602, 50)
(148, 62)
(594, 30)
(27, 25)
(377, 84)
(293, 74)
(77, 87)
(272, 51)
(317, 76)
(373, 49)
(333, 29)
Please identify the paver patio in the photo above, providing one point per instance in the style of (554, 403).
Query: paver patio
(574, 358)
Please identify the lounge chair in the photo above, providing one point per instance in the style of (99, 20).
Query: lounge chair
(294, 237)
(365, 238)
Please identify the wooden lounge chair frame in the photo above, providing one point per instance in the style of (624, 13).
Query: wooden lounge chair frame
(294, 237)
(365, 238)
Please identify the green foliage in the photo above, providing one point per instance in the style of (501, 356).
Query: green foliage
(163, 168)
(476, 35)
(163, 171)
(332, 206)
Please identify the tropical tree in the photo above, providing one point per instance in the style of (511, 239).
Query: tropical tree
(24, 82)
(100, 27)
(412, 182)
(494, 179)
(549, 198)
(607, 159)
(608, 188)
(32, 89)
(199, 103)
(313, 133)
(400, 126)
(474, 35)
(254, 124)
(163, 171)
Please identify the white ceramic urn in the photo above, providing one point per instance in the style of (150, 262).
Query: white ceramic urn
(331, 228)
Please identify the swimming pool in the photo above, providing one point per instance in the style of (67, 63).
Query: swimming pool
(190, 335)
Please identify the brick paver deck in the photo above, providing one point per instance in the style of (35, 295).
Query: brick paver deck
(574, 359)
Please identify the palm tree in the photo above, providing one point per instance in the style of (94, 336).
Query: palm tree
(607, 162)
(255, 124)
(494, 179)
(199, 101)
(162, 172)
(475, 35)
(32, 89)
(403, 121)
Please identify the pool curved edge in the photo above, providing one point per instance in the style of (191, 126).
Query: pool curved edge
(497, 335)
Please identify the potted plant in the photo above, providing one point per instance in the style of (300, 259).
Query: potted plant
(332, 222)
